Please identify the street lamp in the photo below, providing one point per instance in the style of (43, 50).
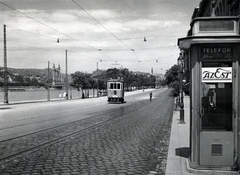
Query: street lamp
(98, 78)
(181, 65)
(5, 67)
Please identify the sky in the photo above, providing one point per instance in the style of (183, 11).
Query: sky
(94, 34)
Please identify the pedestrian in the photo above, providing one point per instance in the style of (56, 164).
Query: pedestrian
(150, 95)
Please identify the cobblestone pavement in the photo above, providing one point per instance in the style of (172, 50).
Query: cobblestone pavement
(136, 142)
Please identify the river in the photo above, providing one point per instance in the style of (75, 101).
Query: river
(42, 94)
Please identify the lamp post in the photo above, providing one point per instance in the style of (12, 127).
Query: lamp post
(48, 88)
(181, 65)
(66, 78)
(5, 67)
(97, 79)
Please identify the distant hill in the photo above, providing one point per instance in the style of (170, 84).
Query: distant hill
(33, 72)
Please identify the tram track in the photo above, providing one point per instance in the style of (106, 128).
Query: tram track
(51, 116)
(46, 120)
(30, 142)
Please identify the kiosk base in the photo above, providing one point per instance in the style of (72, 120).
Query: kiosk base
(198, 169)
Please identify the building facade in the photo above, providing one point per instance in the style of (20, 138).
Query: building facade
(222, 8)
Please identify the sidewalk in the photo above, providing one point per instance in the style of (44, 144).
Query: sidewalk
(179, 150)
(70, 98)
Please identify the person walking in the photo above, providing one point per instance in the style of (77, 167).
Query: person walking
(150, 95)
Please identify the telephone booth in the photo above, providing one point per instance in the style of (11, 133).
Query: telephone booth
(212, 56)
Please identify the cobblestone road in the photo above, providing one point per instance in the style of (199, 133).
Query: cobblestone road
(136, 142)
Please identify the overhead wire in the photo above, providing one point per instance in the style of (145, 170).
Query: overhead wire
(40, 22)
(135, 55)
(105, 28)
(100, 24)
(47, 25)
(30, 32)
(53, 29)
(122, 50)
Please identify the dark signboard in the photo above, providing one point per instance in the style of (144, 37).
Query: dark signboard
(217, 52)
(216, 25)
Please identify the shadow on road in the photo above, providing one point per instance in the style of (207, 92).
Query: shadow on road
(4, 108)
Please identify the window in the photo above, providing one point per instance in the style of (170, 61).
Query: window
(118, 86)
(217, 106)
(111, 85)
(216, 102)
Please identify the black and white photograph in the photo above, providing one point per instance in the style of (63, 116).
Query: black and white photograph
(119, 87)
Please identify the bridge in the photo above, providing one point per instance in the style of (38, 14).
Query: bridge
(55, 79)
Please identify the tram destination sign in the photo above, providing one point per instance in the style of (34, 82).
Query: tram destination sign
(217, 53)
(217, 74)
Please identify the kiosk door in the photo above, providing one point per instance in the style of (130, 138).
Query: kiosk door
(216, 130)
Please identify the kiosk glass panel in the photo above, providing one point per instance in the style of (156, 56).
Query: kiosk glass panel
(216, 102)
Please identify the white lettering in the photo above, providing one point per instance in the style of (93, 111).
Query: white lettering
(217, 50)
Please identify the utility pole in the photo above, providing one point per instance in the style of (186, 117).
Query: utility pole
(66, 76)
(70, 80)
(181, 65)
(97, 79)
(5, 67)
(48, 95)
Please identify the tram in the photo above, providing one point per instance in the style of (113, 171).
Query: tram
(115, 90)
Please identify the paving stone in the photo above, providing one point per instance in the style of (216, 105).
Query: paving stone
(126, 145)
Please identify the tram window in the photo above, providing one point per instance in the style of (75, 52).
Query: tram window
(115, 86)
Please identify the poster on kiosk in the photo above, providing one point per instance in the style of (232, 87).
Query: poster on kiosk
(217, 75)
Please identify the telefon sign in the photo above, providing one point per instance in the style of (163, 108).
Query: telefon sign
(217, 74)
(217, 53)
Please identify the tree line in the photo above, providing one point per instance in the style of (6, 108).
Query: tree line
(172, 79)
(99, 80)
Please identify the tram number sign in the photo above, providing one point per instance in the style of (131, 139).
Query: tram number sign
(217, 74)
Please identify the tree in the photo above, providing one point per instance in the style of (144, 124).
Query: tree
(19, 79)
(81, 80)
(35, 82)
(172, 78)
(113, 73)
(28, 80)
(101, 84)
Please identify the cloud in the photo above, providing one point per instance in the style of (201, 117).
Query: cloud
(129, 21)
(104, 14)
(147, 24)
(180, 14)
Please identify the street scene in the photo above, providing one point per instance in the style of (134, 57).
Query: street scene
(105, 87)
(88, 136)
